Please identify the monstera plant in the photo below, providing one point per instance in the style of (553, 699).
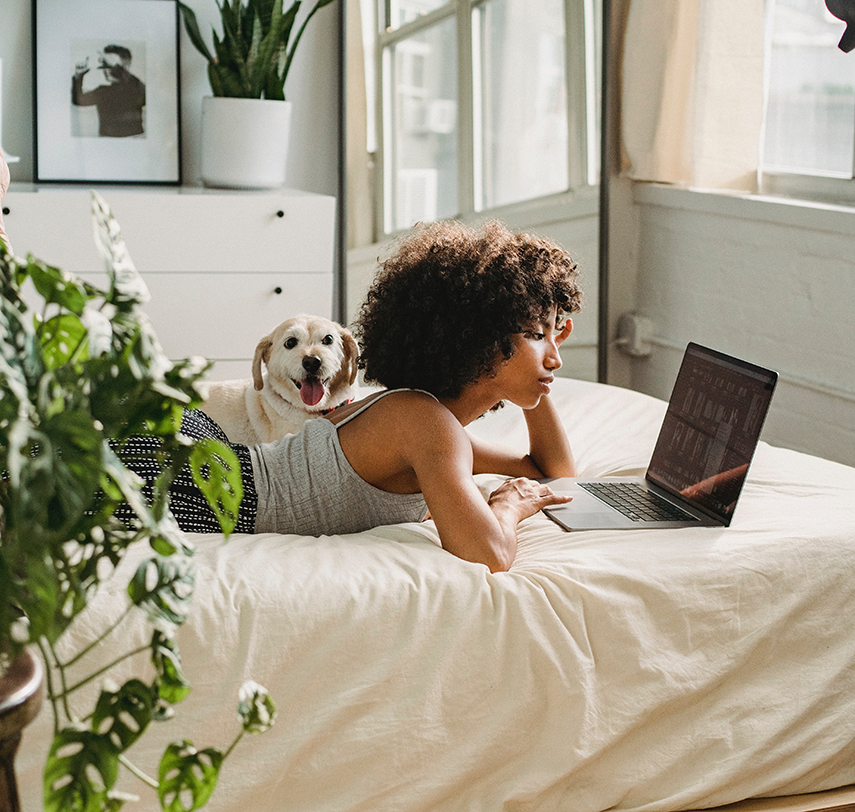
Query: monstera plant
(81, 371)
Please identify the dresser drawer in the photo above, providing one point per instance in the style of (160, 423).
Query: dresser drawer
(223, 315)
(191, 231)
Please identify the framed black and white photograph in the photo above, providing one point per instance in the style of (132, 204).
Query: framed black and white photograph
(106, 91)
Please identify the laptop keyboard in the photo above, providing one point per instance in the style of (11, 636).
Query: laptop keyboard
(635, 502)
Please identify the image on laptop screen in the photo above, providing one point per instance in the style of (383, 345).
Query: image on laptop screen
(711, 428)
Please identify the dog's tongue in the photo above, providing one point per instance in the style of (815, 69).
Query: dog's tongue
(311, 391)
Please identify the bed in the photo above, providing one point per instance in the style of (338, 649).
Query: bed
(645, 671)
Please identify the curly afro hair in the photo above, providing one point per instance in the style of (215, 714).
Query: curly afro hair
(443, 308)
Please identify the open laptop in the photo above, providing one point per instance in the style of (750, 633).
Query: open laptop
(700, 460)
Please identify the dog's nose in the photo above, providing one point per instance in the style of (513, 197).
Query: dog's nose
(311, 364)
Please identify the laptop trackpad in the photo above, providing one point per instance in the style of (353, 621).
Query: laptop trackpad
(580, 520)
(585, 512)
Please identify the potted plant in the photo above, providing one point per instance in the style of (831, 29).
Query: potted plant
(245, 124)
(80, 372)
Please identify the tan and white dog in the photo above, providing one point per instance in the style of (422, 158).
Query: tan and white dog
(310, 370)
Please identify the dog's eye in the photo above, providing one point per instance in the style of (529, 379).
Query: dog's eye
(327, 340)
(290, 343)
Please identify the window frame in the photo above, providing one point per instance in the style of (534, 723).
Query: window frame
(812, 186)
(815, 185)
(582, 51)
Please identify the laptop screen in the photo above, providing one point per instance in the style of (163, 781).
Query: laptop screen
(711, 429)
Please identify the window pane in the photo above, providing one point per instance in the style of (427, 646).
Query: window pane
(810, 110)
(522, 93)
(422, 184)
(402, 12)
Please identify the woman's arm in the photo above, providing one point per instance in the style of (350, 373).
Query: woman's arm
(549, 447)
(442, 458)
(549, 454)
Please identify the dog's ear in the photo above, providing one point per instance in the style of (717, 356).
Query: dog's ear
(262, 353)
(351, 354)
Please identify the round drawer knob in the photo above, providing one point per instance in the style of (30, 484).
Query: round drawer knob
(277, 290)
(6, 210)
(280, 213)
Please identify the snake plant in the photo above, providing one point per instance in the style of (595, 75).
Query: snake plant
(252, 58)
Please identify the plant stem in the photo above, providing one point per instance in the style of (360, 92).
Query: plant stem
(83, 652)
(64, 694)
(86, 680)
(49, 679)
(138, 772)
(232, 745)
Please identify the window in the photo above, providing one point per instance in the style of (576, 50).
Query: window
(484, 104)
(808, 145)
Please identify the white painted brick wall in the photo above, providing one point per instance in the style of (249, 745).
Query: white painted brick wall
(765, 280)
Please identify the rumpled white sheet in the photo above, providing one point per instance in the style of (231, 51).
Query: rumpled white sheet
(631, 670)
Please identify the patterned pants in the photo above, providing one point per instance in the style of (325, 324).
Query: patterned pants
(186, 501)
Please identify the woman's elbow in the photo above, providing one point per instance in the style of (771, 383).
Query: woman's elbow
(499, 558)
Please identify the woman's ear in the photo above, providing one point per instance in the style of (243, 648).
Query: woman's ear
(566, 329)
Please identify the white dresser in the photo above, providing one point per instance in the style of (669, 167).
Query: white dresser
(223, 267)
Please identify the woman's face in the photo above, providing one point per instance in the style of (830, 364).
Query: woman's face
(526, 376)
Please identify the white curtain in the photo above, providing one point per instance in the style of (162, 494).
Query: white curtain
(692, 92)
(360, 204)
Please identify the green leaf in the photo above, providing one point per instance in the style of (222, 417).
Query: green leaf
(61, 337)
(20, 352)
(171, 684)
(216, 471)
(115, 474)
(126, 285)
(191, 25)
(57, 286)
(264, 50)
(187, 775)
(252, 59)
(255, 708)
(168, 538)
(163, 589)
(319, 5)
(81, 767)
(123, 715)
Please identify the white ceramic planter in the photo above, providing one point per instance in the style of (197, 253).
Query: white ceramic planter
(244, 142)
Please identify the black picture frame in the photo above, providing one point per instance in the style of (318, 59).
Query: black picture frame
(106, 92)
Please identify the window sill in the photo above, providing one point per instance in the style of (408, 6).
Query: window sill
(831, 217)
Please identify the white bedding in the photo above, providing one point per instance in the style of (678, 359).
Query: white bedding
(631, 670)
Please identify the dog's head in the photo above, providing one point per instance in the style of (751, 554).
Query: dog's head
(310, 360)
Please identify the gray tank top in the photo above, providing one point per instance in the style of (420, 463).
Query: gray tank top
(305, 485)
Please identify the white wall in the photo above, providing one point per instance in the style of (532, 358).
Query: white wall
(768, 280)
(312, 87)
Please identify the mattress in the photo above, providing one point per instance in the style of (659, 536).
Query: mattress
(636, 670)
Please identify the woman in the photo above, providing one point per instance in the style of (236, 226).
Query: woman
(457, 322)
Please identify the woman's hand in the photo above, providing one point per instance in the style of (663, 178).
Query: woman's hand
(517, 499)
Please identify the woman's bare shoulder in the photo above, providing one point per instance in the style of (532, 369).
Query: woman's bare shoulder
(422, 425)
(401, 431)
(413, 408)
(401, 402)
